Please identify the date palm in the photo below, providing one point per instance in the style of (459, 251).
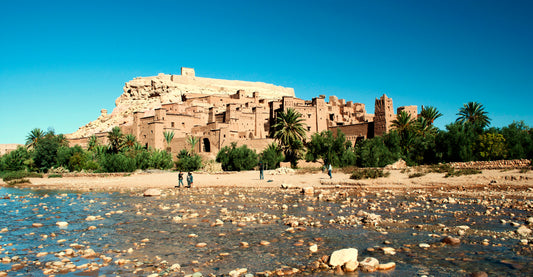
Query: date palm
(92, 143)
(168, 138)
(130, 140)
(33, 137)
(430, 114)
(116, 140)
(402, 122)
(473, 113)
(192, 141)
(289, 131)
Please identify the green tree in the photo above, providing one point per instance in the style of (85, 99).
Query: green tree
(92, 143)
(289, 132)
(33, 137)
(129, 140)
(237, 158)
(45, 152)
(457, 143)
(329, 148)
(473, 113)
(187, 161)
(272, 156)
(168, 138)
(374, 153)
(491, 146)
(402, 123)
(519, 140)
(192, 141)
(429, 114)
(116, 140)
(16, 160)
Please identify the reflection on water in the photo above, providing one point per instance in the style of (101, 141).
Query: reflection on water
(250, 228)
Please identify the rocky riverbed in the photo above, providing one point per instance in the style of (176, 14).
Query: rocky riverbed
(265, 232)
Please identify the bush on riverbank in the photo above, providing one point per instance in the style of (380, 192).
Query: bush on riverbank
(368, 173)
(14, 175)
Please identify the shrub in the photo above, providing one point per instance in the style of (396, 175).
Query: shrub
(14, 175)
(188, 162)
(237, 158)
(15, 160)
(369, 173)
(117, 163)
(160, 159)
(19, 181)
(456, 173)
(272, 156)
(417, 174)
(55, 176)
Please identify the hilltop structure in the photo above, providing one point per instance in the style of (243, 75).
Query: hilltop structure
(219, 112)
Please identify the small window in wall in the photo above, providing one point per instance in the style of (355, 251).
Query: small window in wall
(152, 131)
(308, 128)
(308, 115)
(172, 124)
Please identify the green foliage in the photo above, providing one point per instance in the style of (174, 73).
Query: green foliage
(491, 146)
(457, 144)
(374, 153)
(192, 141)
(417, 174)
(272, 156)
(92, 143)
(116, 140)
(331, 149)
(368, 173)
(55, 176)
(168, 138)
(519, 140)
(473, 113)
(237, 158)
(33, 137)
(289, 132)
(456, 173)
(188, 162)
(15, 160)
(19, 181)
(14, 175)
(45, 153)
(117, 163)
(160, 159)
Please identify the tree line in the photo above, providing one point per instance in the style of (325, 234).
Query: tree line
(415, 140)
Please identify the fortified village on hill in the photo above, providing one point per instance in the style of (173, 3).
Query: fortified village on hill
(220, 112)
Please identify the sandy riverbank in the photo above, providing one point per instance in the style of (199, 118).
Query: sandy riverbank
(510, 183)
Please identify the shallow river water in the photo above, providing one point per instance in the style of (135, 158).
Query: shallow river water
(217, 230)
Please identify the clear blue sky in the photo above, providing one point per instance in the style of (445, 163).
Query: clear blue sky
(63, 61)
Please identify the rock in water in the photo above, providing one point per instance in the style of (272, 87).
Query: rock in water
(369, 264)
(523, 231)
(152, 192)
(340, 257)
(451, 240)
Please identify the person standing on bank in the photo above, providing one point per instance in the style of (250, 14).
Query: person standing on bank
(180, 180)
(329, 171)
(189, 180)
(261, 169)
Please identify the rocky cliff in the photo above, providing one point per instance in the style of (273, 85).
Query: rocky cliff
(148, 93)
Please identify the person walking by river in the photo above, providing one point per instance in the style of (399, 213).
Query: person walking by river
(189, 180)
(329, 171)
(180, 180)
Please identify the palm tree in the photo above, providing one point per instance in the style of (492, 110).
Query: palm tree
(289, 131)
(33, 137)
(92, 143)
(168, 138)
(473, 113)
(116, 139)
(192, 141)
(62, 140)
(130, 140)
(430, 114)
(402, 122)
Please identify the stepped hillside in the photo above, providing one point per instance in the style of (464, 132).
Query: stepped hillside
(148, 93)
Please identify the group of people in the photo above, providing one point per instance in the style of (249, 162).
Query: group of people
(180, 180)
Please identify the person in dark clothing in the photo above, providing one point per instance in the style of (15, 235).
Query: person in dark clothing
(261, 169)
(180, 180)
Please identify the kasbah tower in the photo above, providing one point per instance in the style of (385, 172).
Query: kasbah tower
(220, 112)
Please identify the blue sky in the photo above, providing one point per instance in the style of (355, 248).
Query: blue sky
(63, 61)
